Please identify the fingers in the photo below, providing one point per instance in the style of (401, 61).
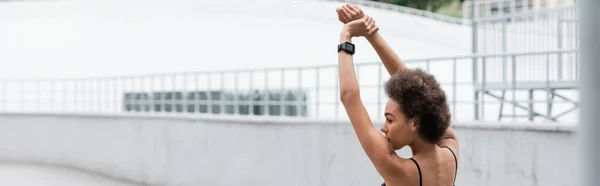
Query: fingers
(351, 12)
(367, 21)
(345, 14)
(341, 16)
(373, 30)
(370, 25)
(357, 12)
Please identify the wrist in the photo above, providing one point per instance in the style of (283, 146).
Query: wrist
(372, 37)
(345, 37)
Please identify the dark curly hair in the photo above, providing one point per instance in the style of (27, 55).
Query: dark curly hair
(420, 97)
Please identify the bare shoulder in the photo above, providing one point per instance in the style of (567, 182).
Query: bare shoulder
(406, 172)
(451, 142)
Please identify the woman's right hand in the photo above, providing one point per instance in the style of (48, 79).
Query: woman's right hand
(360, 27)
(349, 12)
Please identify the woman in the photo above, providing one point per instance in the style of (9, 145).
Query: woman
(417, 114)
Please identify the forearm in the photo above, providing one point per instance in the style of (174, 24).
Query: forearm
(388, 56)
(347, 76)
(449, 134)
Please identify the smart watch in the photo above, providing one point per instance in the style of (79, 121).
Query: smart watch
(346, 47)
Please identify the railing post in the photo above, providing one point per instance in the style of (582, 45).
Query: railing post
(197, 100)
(163, 94)
(236, 105)
(379, 89)
(184, 94)
(299, 94)
(514, 86)
(548, 91)
(4, 97)
(251, 94)
(134, 89)
(37, 95)
(222, 101)
(474, 37)
(317, 102)
(209, 102)
(560, 46)
(107, 95)
(282, 101)
(174, 100)
(52, 96)
(22, 93)
(151, 93)
(504, 49)
(66, 94)
(454, 88)
(483, 87)
(589, 150)
(337, 93)
(99, 95)
(75, 96)
(267, 101)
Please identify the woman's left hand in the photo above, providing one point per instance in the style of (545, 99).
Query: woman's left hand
(360, 27)
(349, 12)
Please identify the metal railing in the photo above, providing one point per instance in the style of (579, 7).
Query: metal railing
(537, 30)
(306, 92)
(493, 8)
(407, 10)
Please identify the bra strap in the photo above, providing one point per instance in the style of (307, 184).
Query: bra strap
(455, 163)
(418, 168)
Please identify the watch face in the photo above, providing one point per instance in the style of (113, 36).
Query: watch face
(350, 47)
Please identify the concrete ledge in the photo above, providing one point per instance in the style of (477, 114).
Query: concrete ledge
(187, 150)
(262, 120)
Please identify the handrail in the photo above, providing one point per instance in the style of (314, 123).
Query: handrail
(311, 67)
(524, 14)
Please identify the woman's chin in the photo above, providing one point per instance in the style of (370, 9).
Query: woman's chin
(393, 146)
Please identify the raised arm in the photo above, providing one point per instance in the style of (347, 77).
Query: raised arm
(372, 141)
(388, 56)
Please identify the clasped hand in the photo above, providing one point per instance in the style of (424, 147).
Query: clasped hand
(356, 23)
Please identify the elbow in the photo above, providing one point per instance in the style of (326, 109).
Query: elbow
(349, 95)
(450, 134)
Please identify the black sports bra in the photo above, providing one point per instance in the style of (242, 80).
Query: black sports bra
(419, 168)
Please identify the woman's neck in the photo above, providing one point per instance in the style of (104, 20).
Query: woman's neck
(423, 148)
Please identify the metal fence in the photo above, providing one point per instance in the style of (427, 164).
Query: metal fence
(493, 8)
(306, 92)
(537, 30)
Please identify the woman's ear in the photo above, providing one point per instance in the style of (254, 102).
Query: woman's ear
(414, 123)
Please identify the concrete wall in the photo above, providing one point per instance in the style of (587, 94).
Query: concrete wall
(180, 150)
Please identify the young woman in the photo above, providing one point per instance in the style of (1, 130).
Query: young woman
(417, 114)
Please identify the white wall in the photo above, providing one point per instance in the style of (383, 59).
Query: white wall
(181, 150)
(82, 38)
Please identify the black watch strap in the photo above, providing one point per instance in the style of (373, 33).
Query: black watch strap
(346, 47)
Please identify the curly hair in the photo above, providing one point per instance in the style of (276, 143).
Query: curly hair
(420, 97)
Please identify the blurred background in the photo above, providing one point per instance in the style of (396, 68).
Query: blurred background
(233, 92)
